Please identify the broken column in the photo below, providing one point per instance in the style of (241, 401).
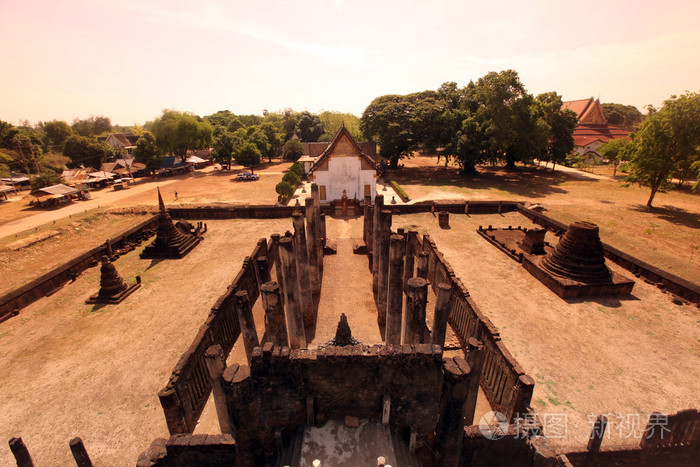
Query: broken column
(295, 321)
(414, 321)
(382, 258)
(411, 242)
(245, 319)
(216, 364)
(444, 219)
(301, 257)
(77, 448)
(475, 357)
(397, 249)
(366, 218)
(320, 226)
(450, 428)
(312, 246)
(378, 206)
(275, 238)
(21, 453)
(262, 270)
(422, 265)
(442, 311)
(275, 329)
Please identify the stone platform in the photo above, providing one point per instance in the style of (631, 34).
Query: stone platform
(574, 268)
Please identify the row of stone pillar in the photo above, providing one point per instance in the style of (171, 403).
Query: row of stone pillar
(24, 459)
(393, 261)
(299, 266)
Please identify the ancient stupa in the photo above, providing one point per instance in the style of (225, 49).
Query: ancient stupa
(170, 242)
(113, 289)
(576, 267)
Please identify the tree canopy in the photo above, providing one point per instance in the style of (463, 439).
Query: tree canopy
(146, 151)
(625, 116)
(667, 140)
(247, 155)
(83, 151)
(178, 132)
(57, 132)
(92, 126)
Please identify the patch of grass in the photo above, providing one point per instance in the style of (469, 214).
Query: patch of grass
(6, 333)
(400, 191)
(603, 309)
(542, 402)
(553, 400)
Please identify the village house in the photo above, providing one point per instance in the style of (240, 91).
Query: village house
(593, 129)
(121, 141)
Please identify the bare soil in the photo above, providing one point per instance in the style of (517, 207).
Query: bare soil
(615, 356)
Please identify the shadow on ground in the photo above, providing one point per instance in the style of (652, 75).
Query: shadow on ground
(531, 182)
(671, 214)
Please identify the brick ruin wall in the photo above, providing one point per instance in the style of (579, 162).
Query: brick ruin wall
(504, 382)
(189, 386)
(12, 302)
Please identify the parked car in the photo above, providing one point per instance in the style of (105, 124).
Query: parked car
(244, 177)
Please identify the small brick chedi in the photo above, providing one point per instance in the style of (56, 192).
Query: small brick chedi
(576, 267)
(171, 242)
(113, 289)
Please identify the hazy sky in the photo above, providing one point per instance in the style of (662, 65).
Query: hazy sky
(130, 59)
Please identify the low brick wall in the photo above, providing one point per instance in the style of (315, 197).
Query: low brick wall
(189, 386)
(662, 279)
(12, 302)
(503, 380)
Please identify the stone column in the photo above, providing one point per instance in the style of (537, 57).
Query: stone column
(301, 257)
(476, 358)
(397, 248)
(597, 433)
(82, 459)
(366, 230)
(278, 263)
(320, 226)
(216, 364)
(450, 428)
(411, 239)
(295, 322)
(245, 319)
(312, 246)
(262, 271)
(378, 206)
(422, 265)
(444, 219)
(416, 300)
(21, 453)
(442, 312)
(383, 264)
(275, 329)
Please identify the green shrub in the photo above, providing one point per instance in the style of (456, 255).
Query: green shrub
(292, 150)
(298, 169)
(285, 189)
(291, 178)
(402, 193)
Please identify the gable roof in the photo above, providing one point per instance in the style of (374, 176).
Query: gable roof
(586, 134)
(124, 139)
(342, 132)
(586, 109)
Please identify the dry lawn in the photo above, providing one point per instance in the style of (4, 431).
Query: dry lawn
(94, 371)
(613, 356)
(667, 236)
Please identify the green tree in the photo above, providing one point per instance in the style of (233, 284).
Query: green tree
(178, 132)
(93, 126)
(292, 150)
(309, 126)
(667, 139)
(617, 151)
(247, 155)
(57, 132)
(45, 178)
(625, 116)
(561, 124)
(285, 190)
(224, 147)
(332, 121)
(146, 151)
(387, 120)
(291, 178)
(85, 152)
(274, 138)
(257, 136)
(5, 161)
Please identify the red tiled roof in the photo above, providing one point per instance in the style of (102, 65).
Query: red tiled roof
(342, 131)
(586, 134)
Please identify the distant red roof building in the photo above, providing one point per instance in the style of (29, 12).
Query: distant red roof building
(593, 129)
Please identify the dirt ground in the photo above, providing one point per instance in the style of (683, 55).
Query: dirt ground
(667, 236)
(625, 357)
(81, 370)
